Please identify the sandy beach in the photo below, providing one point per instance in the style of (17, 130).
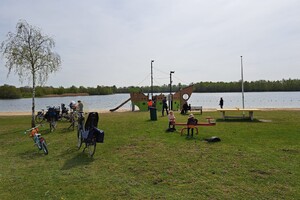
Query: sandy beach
(128, 110)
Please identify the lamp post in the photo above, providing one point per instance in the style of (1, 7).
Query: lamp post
(242, 75)
(152, 79)
(170, 99)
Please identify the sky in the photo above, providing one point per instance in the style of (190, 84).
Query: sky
(112, 42)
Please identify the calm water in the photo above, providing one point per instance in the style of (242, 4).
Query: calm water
(207, 100)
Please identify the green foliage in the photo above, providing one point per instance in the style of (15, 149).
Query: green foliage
(253, 86)
(29, 53)
(9, 92)
(139, 160)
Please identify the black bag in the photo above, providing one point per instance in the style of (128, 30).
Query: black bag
(99, 134)
(213, 139)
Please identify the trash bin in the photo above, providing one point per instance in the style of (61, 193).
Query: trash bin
(153, 115)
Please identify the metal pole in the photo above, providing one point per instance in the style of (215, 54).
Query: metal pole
(152, 79)
(170, 99)
(242, 74)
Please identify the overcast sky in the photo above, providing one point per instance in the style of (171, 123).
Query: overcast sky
(112, 42)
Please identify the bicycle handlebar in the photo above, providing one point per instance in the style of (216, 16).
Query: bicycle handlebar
(32, 128)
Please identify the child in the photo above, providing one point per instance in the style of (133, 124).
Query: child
(191, 121)
(171, 118)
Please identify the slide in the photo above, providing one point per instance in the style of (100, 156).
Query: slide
(122, 104)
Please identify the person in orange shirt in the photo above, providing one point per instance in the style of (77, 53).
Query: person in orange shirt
(150, 103)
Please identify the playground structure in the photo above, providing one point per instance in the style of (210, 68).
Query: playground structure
(140, 100)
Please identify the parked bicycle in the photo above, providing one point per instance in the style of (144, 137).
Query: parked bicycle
(52, 117)
(64, 113)
(39, 141)
(88, 133)
(73, 120)
(40, 117)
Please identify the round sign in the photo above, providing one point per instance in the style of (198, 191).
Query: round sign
(185, 96)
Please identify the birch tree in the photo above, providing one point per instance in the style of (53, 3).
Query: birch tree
(28, 53)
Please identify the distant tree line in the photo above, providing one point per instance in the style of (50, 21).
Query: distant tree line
(252, 86)
(11, 92)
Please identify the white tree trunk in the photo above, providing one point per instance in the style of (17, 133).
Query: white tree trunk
(33, 98)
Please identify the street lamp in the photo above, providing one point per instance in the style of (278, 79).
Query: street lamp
(170, 99)
(152, 79)
(242, 76)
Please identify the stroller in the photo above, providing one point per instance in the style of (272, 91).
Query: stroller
(89, 133)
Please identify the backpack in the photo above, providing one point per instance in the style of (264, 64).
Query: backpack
(213, 139)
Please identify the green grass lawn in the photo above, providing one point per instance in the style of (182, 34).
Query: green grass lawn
(139, 160)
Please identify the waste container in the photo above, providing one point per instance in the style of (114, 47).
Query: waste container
(153, 115)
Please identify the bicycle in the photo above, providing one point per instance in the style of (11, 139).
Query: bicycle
(86, 134)
(64, 115)
(73, 120)
(52, 117)
(38, 140)
(40, 117)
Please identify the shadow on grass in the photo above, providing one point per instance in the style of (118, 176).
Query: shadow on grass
(149, 120)
(66, 130)
(80, 159)
(32, 154)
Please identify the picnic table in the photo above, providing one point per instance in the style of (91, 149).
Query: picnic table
(230, 110)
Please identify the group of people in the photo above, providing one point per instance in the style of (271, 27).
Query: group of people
(191, 121)
(185, 108)
(151, 103)
(76, 106)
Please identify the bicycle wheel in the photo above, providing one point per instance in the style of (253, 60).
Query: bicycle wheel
(39, 145)
(39, 119)
(79, 139)
(44, 146)
(92, 147)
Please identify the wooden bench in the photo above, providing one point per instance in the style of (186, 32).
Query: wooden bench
(196, 108)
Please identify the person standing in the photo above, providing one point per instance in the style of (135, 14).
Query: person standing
(221, 103)
(164, 106)
(79, 106)
(150, 104)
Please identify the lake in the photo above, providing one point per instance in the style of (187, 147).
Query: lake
(207, 100)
